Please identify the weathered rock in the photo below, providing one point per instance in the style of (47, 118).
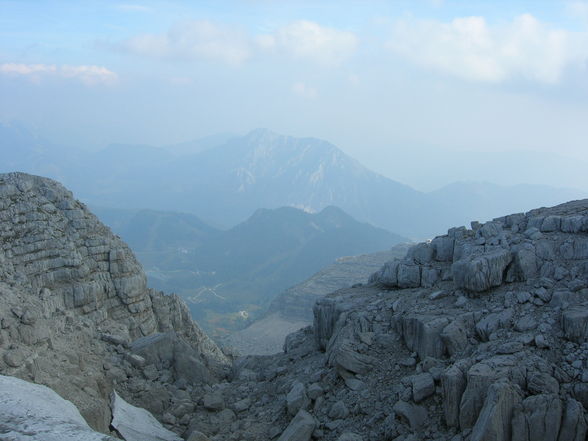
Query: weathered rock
(422, 334)
(480, 273)
(34, 412)
(137, 424)
(575, 323)
(453, 382)
(300, 428)
(494, 422)
(573, 424)
(423, 386)
(454, 337)
(297, 399)
(414, 415)
(350, 360)
(338, 411)
(537, 418)
(214, 401)
(492, 322)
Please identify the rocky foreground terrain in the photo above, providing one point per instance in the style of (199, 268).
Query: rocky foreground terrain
(478, 335)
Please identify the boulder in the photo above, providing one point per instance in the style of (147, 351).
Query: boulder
(574, 322)
(136, 424)
(338, 411)
(480, 273)
(300, 428)
(297, 399)
(423, 386)
(537, 418)
(416, 416)
(454, 337)
(422, 334)
(352, 361)
(34, 412)
(453, 384)
(494, 422)
(573, 424)
(479, 378)
(492, 322)
(214, 401)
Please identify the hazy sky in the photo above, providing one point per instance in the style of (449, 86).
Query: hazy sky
(395, 84)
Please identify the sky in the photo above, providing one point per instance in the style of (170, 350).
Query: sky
(425, 91)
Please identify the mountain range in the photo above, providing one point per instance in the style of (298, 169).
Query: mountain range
(223, 179)
(230, 276)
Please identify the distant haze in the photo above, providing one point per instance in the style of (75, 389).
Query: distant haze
(390, 83)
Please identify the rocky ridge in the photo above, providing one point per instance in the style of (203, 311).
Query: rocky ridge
(478, 335)
(72, 299)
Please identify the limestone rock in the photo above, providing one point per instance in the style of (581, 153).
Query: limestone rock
(537, 418)
(494, 421)
(297, 399)
(34, 412)
(300, 428)
(575, 323)
(480, 273)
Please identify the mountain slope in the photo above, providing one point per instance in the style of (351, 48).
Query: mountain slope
(221, 273)
(224, 179)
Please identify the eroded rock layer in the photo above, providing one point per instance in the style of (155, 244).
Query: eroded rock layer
(73, 296)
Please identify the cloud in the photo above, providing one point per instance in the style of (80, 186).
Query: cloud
(578, 9)
(304, 91)
(192, 40)
(88, 75)
(308, 40)
(196, 40)
(470, 48)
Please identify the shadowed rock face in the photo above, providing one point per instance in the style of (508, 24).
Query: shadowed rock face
(65, 279)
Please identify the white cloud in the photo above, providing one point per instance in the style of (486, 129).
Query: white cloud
(578, 9)
(304, 91)
(194, 40)
(88, 75)
(309, 40)
(470, 48)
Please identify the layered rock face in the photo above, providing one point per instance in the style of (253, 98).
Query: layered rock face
(72, 297)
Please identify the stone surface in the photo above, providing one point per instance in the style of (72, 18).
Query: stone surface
(300, 428)
(34, 412)
(136, 424)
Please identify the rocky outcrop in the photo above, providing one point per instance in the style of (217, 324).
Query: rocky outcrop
(34, 412)
(72, 300)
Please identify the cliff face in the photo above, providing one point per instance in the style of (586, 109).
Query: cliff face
(69, 288)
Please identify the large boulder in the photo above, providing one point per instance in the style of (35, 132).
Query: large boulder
(494, 421)
(481, 272)
(34, 412)
(537, 418)
(136, 424)
(300, 428)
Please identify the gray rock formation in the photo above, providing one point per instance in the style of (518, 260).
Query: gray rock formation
(72, 299)
(136, 424)
(34, 412)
